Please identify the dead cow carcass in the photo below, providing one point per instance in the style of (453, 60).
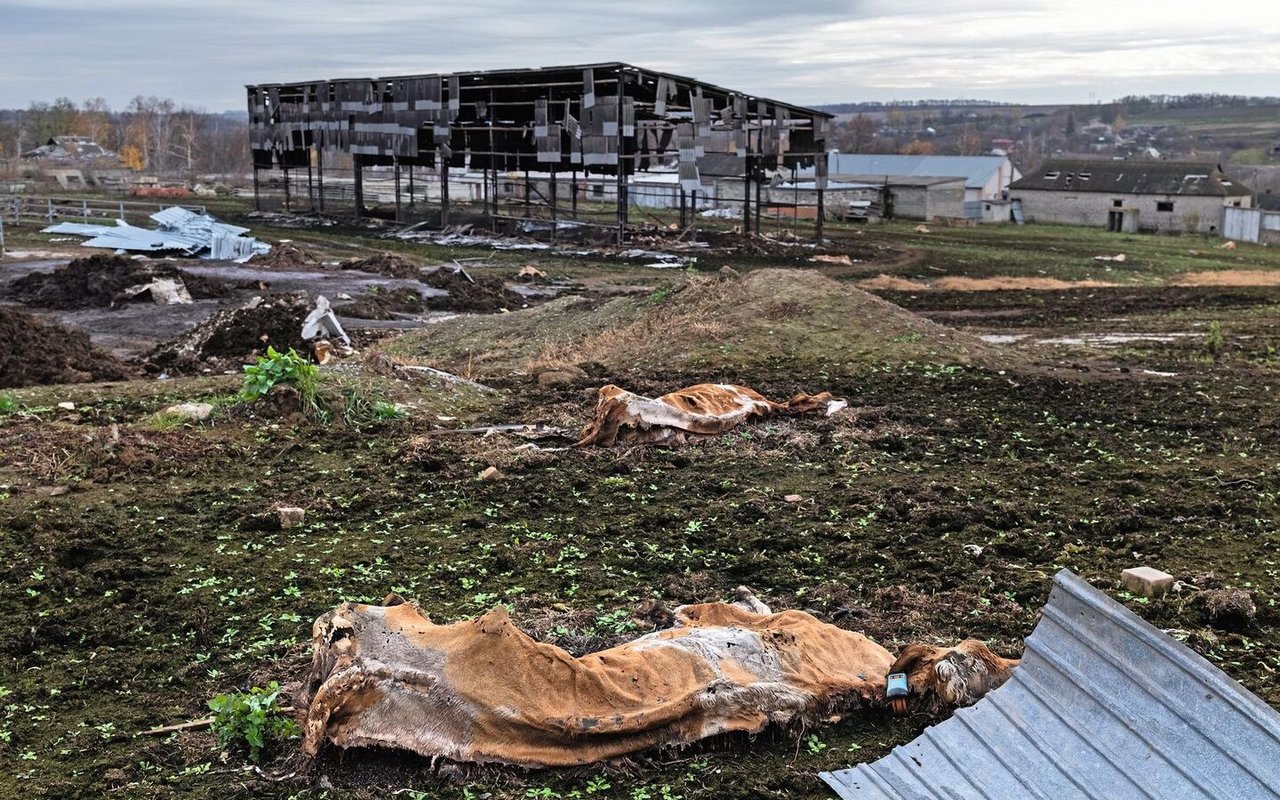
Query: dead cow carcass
(483, 691)
(707, 408)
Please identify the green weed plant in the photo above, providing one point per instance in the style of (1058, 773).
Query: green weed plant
(276, 368)
(252, 718)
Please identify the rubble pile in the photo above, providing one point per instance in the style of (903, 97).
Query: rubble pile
(39, 353)
(103, 281)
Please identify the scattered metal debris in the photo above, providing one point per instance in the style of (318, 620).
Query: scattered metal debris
(180, 231)
(1103, 705)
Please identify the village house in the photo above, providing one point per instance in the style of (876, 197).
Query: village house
(1130, 196)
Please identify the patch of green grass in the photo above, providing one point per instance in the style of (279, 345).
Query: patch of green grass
(1252, 156)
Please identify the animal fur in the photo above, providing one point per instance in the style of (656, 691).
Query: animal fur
(705, 409)
(953, 676)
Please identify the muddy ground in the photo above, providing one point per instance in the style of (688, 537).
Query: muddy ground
(363, 300)
(145, 574)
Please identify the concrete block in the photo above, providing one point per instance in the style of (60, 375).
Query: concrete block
(291, 516)
(491, 474)
(1146, 581)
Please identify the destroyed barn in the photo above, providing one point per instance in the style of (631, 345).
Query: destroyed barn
(569, 146)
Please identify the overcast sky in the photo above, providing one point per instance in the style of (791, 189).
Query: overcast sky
(802, 51)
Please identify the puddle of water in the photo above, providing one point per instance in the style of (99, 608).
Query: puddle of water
(1003, 338)
(1114, 339)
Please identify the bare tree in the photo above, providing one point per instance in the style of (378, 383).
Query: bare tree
(94, 121)
(861, 132)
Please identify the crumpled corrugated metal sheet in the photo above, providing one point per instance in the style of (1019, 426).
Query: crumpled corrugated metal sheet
(1103, 705)
(180, 231)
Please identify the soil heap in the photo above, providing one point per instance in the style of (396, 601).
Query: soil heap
(388, 264)
(38, 353)
(383, 304)
(482, 294)
(770, 320)
(286, 255)
(236, 336)
(99, 281)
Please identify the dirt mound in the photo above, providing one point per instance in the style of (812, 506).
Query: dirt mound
(485, 294)
(388, 264)
(234, 336)
(286, 255)
(770, 320)
(38, 353)
(384, 304)
(99, 281)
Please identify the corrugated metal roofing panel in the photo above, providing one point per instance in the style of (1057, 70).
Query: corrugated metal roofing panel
(1103, 705)
(180, 230)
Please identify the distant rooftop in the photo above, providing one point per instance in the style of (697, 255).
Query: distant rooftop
(1190, 178)
(976, 170)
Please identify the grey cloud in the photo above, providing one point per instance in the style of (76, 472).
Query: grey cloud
(801, 50)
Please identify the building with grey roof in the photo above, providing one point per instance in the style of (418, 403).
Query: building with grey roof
(1130, 196)
(926, 186)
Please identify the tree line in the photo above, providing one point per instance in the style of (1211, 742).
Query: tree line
(150, 134)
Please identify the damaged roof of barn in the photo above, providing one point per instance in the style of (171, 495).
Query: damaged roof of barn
(1103, 705)
(1195, 178)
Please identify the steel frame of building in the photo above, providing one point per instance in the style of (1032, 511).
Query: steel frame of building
(610, 119)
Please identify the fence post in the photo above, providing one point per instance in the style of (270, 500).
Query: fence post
(49, 212)
(122, 210)
(84, 210)
(1, 237)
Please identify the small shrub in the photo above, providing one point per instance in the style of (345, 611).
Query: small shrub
(277, 368)
(251, 718)
(1213, 339)
(8, 403)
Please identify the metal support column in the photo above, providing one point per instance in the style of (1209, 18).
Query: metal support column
(320, 176)
(286, 189)
(758, 182)
(311, 189)
(395, 168)
(693, 215)
(620, 189)
(257, 206)
(746, 199)
(552, 192)
(358, 163)
(444, 192)
(820, 214)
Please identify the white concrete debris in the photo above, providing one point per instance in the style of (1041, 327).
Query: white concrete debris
(163, 292)
(179, 230)
(323, 322)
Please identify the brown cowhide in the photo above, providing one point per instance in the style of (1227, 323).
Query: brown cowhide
(702, 410)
